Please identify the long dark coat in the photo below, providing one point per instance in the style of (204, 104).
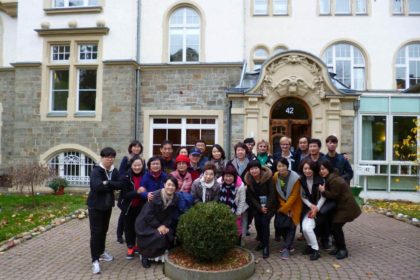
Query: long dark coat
(337, 189)
(151, 243)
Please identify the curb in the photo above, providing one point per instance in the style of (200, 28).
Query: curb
(28, 235)
(391, 214)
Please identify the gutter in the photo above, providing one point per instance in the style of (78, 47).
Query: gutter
(138, 77)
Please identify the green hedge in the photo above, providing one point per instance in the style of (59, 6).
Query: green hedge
(207, 231)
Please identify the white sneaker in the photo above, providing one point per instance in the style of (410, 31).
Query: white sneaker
(96, 269)
(106, 257)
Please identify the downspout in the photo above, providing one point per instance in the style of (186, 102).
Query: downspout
(138, 78)
(229, 143)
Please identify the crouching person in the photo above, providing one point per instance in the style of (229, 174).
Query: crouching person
(154, 225)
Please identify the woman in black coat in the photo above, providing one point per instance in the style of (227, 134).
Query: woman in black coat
(131, 203)
(154, 225)
(261, 198)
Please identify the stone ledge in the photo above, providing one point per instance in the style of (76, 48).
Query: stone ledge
(22, 237)
(397, 216)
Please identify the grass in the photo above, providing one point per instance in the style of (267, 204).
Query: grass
(18, 213)
(404, 207)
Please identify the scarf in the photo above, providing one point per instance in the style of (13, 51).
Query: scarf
(290, 180)
(240, 166)
(205, 186)
(262, 158)
(156, 175)
(167, 199)
(227, 195)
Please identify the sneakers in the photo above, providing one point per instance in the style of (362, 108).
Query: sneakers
(106, 257)
(130, 254)
(285, 254)
(96, 269)
(291, 250)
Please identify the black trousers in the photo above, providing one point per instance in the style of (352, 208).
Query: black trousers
(99, 223)
(262, 224)
(129, 222)
(288, 235)
(337, 232)
(120, 225)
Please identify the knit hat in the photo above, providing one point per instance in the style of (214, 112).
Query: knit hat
(253, 163)
(182, 158)
(249, 140)
(230, 169)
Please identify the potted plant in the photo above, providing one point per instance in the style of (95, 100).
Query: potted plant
(58, 184)
(207, 235)
(356, 190)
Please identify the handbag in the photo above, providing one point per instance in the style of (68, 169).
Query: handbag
(328, 206)
(282, 221)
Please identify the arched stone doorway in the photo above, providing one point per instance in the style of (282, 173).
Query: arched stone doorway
(291, 117)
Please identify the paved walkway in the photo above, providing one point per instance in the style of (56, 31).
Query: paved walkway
(380, 248)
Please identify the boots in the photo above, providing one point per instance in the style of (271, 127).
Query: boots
(342, 254)
(145, 262)
(265, 252)
(315, 255)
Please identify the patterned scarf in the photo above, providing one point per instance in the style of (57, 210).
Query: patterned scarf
(227, 196)
(167, 199)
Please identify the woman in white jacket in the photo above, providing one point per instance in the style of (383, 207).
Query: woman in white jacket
(233, 193)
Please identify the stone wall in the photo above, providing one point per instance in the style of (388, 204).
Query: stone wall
(194, 88)
(347, 134)
(31, 137)
(7, 93)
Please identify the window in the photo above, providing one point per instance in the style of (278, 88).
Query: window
(73, 72)
(404, 7)
(183, 131)
(414, 6)
(184, 35)
(407, 66)
(405, 137)
(271, 7)
(343, 7)
(374, 138)
(280, 7)
(324, 7)
(74, 3)
(260, 7)
(258, 57)
(348, 63)
(279, 49)
(74, 166)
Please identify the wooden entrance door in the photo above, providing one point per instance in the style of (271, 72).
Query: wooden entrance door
(289, 117)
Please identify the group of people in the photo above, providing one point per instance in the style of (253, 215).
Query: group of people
(302, 187)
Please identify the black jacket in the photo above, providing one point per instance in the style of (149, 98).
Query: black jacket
(128, 192)
(101, 197)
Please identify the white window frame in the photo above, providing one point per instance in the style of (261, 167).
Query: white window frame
(333, 65)
(86, 3)
(261, 12)
(79, 52)
(70, 158)
(352, 9)
(66, 51)
(280, 3)
(348, 12)
(406, 63)
(78, 90)
(184, 29)
(364, 5)
(51, 94)
(183, 126)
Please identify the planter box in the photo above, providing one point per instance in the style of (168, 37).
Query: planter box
(176, 272)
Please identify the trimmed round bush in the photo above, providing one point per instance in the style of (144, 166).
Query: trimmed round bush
(207, 231)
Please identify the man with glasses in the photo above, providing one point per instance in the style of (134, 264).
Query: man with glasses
(103, 182)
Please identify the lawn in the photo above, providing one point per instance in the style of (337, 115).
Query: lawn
(404, 207)
(18, 214)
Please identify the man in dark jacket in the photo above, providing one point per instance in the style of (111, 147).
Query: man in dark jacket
(338, 161)
(103, 183)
